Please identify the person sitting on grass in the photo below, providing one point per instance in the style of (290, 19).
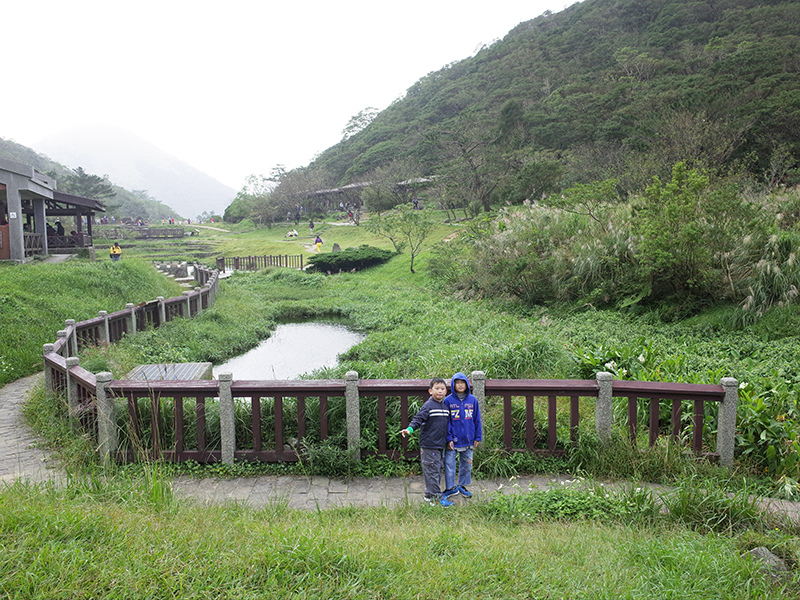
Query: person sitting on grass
(464, 433)
(434, 418)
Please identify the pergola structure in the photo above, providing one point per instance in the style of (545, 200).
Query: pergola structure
(27, 198)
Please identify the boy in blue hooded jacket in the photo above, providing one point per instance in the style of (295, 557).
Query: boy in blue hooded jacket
(463, 434)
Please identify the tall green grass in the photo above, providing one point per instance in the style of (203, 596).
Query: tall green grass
(120, 540)
(36, 299)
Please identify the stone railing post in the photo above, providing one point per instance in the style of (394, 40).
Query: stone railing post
(479, 387)
(227, 425)
(48, 372)
(726, 421)
(602, 408)
(72, 343)
(72, 387)
(131, 308)
(188, 304)
(62, 333)
(162, 310)
(199, 299)
(107, 439)
(353, 412)
(104, 335)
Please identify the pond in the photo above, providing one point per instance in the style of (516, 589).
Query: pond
(292, 350)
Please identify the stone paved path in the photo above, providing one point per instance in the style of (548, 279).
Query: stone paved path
(19, 456)
(21, 459)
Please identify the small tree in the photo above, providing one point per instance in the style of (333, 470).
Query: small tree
(674, 249)
(589, 199)
(404, 227)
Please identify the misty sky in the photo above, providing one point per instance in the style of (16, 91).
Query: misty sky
(234, 87)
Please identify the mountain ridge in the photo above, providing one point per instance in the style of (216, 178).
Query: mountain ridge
(137, 164)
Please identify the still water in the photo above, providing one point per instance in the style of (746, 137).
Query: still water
(292, 350)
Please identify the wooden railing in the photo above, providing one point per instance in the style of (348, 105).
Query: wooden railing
(66, 242)
(224, 420)
(256, 263)
(271, 420)
(33, 243)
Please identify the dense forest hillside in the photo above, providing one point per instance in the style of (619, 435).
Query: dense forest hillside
(124, 203)
(621, 88)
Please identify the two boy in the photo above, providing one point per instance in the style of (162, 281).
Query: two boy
(451, 428)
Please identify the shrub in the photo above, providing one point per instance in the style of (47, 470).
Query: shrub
(352, 258)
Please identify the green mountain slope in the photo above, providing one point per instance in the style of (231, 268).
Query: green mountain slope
(607, 80)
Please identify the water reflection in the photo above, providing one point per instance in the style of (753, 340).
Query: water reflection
(292, 350)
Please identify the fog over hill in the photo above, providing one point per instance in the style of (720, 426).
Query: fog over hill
(136, 164)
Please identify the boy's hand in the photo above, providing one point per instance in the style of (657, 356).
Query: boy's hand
(475, 444)
(404, 432)
(451, 445)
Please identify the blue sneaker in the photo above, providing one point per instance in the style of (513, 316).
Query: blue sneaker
(445, 502)
(451, 492)
(463, 491)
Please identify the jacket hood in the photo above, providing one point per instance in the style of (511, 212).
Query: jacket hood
(463, 378)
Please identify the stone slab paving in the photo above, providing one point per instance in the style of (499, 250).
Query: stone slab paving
(21, 459)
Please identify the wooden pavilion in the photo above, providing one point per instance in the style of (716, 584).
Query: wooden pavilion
(27, 199)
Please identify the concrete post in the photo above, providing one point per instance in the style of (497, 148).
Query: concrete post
(104, 334)
(73, 339)
(131, 308)
(602, 409)
(227, 425)
(39, 223)
(107, 440)
(188, 304)
(162, 310)
(62, 333)
(48, 373)
(72, 387)
(199, 299)
(726, 421)
(479, 387)
(353, 412)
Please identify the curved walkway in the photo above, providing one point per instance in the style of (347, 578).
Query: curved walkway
(21, 459)
(19, 456)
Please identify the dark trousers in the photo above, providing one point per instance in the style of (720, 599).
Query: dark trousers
(432, 460)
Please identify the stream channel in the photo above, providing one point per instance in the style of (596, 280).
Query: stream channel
(292, 350)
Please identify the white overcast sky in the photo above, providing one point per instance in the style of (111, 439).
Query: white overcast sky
(232, 87)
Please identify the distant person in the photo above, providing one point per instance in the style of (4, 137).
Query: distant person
(434, 418)
(116, 252)
(318, 244)
(311, 226)
(463, 435)
(59, 228)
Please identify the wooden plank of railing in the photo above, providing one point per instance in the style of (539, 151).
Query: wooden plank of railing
(669, 391)
(655, 391)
